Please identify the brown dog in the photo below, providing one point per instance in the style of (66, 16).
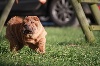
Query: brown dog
(28, 31)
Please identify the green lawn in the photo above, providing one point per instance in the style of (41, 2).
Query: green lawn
(64, 47)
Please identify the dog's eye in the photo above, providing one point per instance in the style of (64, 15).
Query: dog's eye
(31, 21)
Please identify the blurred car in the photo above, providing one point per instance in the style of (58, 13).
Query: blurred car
(60, 11)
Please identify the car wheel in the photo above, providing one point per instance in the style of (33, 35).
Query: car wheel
(61, 12)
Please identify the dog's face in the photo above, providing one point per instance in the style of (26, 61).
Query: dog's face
(30, 26)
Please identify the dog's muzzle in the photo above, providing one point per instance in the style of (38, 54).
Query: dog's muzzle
(26, 30)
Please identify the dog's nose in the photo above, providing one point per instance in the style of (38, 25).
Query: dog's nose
(26, 31)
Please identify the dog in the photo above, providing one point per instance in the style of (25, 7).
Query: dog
(26, 31)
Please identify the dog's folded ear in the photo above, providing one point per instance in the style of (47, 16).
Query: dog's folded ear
(36, 18)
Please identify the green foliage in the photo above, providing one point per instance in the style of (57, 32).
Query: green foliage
(65, 47)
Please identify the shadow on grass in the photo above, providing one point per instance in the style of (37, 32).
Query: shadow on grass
(3, 50)
(63, 43)
(74, 43)
(2, 63)
(68, 43)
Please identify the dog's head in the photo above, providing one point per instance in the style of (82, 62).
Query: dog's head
(30, 25)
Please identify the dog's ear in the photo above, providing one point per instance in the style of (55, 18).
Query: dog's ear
(36, 18)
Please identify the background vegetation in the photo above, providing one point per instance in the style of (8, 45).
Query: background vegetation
(65, 47)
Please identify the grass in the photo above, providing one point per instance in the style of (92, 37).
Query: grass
(64, 47)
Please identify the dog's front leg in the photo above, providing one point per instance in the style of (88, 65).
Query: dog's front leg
(41, 46)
